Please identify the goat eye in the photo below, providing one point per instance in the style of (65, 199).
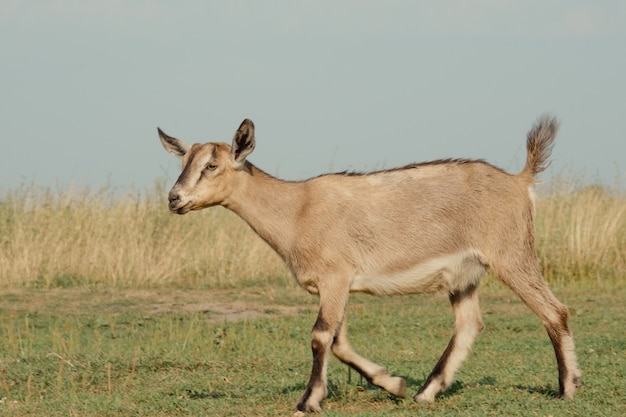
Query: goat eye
(211, 167)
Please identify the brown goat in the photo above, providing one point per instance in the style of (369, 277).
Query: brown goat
(423, 228)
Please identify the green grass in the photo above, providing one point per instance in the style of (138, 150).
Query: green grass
(102, 353)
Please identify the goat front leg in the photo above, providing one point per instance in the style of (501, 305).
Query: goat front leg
(329, 318)
(374, 373)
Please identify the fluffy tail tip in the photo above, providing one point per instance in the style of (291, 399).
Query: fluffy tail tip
(539, 143)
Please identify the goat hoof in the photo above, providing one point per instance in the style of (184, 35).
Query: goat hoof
(304, 408)
(400, 387)
(423, 398)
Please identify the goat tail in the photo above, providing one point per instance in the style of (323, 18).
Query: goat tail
(539, 143)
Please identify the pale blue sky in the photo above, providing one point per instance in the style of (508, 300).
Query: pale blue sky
(330, 85)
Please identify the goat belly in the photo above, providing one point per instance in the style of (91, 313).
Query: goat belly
(447, 273)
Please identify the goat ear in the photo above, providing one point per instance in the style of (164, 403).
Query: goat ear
(243, 143)
(174, 146)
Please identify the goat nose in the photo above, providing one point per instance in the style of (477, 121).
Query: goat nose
(173, 197)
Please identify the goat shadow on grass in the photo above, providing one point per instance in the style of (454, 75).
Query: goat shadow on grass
(458, 386)
(295, 389)
(413, 385)
(341, 392)
(193, 394)
(546, 391)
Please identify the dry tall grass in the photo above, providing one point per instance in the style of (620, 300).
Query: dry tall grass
(581, 234)
(71, 237)
(59, 238)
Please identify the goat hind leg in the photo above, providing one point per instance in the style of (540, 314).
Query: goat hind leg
(468, 323)
(375, 374)
(532, 289)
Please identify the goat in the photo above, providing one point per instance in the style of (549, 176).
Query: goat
(423, 228)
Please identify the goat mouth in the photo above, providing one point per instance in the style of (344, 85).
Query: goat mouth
(180, 210)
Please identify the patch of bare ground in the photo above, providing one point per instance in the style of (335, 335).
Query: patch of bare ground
(220, 305)
(251, 303)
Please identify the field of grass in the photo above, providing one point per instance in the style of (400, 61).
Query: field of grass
(111, 306)
(135, 355)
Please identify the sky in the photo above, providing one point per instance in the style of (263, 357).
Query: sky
(330, 85)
